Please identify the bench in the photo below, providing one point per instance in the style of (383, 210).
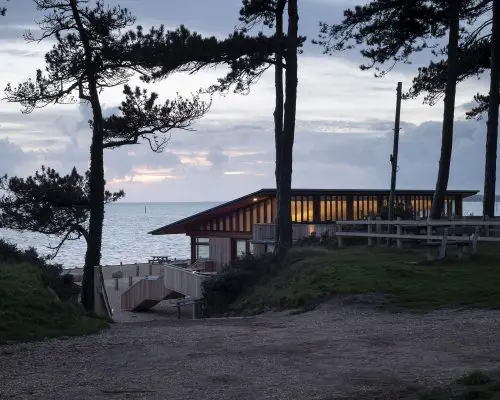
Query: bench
(159, 260)
(461, 237)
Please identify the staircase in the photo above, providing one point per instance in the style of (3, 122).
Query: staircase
(173, 282)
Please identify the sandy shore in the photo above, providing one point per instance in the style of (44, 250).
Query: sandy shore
(333, 351)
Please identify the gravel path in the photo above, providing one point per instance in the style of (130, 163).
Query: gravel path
(317, 355)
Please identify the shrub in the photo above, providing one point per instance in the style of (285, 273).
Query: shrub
(474, 378)
(63, 285)
(222, 289)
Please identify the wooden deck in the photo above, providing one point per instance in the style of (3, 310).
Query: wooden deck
(141, 286)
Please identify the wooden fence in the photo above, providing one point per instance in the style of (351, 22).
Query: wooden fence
(375, 230)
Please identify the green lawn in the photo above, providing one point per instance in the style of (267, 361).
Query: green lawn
(29, 311)
(474, 386)
(310, 275)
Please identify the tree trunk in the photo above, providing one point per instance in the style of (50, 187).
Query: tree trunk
(290, 108)
(449, 112)
(490, 168)
(96, 180)
(278, 111)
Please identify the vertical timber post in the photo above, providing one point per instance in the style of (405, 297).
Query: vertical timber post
(379, 231)
(399, 232)
(394, 155)
(370, 230)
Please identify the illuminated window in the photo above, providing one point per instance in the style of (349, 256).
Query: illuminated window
(248, 222)
(254, 214)
(269, 205)
(298, 211)
(241, 226)
(310, 210)
(355, 207)
(322, 209)
(344, 207)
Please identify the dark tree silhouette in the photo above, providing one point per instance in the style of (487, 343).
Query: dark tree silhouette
(477, 52)
(248, 56)
(392, 30)
(271, 14)
(49, 203)
(3, 10)
(79, 66)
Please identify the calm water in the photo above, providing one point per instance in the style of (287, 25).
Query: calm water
(125, 236)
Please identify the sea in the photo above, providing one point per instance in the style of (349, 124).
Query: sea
(125, 233)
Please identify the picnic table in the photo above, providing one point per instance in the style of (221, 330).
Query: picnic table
(159, 259)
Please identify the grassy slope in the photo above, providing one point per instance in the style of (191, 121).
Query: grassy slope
(474, 386)
(310, 275)
(29, 311)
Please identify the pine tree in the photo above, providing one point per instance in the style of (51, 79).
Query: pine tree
(80, 65)
(393, 30)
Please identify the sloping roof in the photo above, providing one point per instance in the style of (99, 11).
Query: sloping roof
(262, 194)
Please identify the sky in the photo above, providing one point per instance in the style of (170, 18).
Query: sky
(344, 128)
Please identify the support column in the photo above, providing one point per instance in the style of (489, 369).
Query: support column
(350, 208)
(193, 249)
(459, 206)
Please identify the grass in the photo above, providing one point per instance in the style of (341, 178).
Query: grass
(467, 387)
(311, 275)
(30, 311)
(474, 386)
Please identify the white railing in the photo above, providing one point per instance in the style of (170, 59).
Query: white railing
(183, 281)
(101, 301)
(266, 232)
(148, 289)
(488, 230)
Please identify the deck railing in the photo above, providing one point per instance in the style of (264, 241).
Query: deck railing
(488, 230)
(151, 288)
(183, 281)
(267, 232)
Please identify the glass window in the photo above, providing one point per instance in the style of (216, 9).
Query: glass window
(269, 211)
(202, 248)
(310, 210)
(269, 248)
(241, 248)
(298, 213)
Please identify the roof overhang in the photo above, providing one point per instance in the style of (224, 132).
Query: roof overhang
(196, 220)
(181, 226)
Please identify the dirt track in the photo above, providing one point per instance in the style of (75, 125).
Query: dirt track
(318, 355)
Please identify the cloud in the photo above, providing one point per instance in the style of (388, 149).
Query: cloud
(344, 124)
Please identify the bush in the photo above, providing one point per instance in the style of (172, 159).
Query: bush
(222, 289)
(63, 285)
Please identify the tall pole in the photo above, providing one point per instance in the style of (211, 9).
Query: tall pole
(394, 155)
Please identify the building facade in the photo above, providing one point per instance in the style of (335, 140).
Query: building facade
(224, 233)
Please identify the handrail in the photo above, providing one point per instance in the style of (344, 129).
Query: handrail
(183, 280)
(403, 222)
(154, 290)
